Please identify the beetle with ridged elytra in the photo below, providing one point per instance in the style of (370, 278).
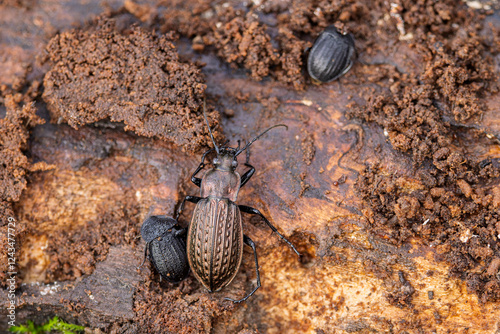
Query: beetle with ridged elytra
(215, 236)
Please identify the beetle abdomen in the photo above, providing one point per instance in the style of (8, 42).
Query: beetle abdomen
(330, 56)
(215, 242)
(169, 257)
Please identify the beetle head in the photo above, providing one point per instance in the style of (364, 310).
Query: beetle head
(226, 159)
(226, 156)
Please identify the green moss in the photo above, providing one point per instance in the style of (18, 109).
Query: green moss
(53, 325)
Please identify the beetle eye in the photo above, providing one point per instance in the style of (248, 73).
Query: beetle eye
(216, 161)
(235, 163)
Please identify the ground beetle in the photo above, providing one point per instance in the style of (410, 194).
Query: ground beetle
(330, 56)
(215, 237)
(166, 244)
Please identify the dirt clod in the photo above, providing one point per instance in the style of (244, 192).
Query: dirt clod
(13, 140)
(131, 76)
(452, 203)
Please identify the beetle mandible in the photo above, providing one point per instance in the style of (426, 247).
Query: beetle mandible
(215, 236)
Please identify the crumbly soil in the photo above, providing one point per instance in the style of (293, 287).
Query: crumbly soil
(132, 76)
(387, 180)
(14, 134)
(455, 202)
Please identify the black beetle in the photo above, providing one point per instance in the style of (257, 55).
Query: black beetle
(215, 237)
(330, 56)
(166, 244)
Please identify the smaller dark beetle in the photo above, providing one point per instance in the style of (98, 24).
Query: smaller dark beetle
(166, 243)
(330, 56)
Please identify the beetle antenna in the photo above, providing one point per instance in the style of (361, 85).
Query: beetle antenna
(205, 154)
(208, 124)
(263, 133)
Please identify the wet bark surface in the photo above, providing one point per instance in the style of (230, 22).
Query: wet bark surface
(387, 180)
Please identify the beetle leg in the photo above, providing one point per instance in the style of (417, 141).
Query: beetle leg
(248, 174)
(250, 243)
(179, 233)
(192, 199)
(197, 180)
(145, 255)
(248, 209)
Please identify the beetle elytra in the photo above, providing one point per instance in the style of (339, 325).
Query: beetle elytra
(330, 56)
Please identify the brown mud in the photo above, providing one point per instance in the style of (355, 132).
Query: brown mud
(387, 180)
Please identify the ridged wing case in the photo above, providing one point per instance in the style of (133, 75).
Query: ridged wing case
(215, 242)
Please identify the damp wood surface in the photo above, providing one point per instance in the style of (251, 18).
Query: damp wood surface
(387, 180)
